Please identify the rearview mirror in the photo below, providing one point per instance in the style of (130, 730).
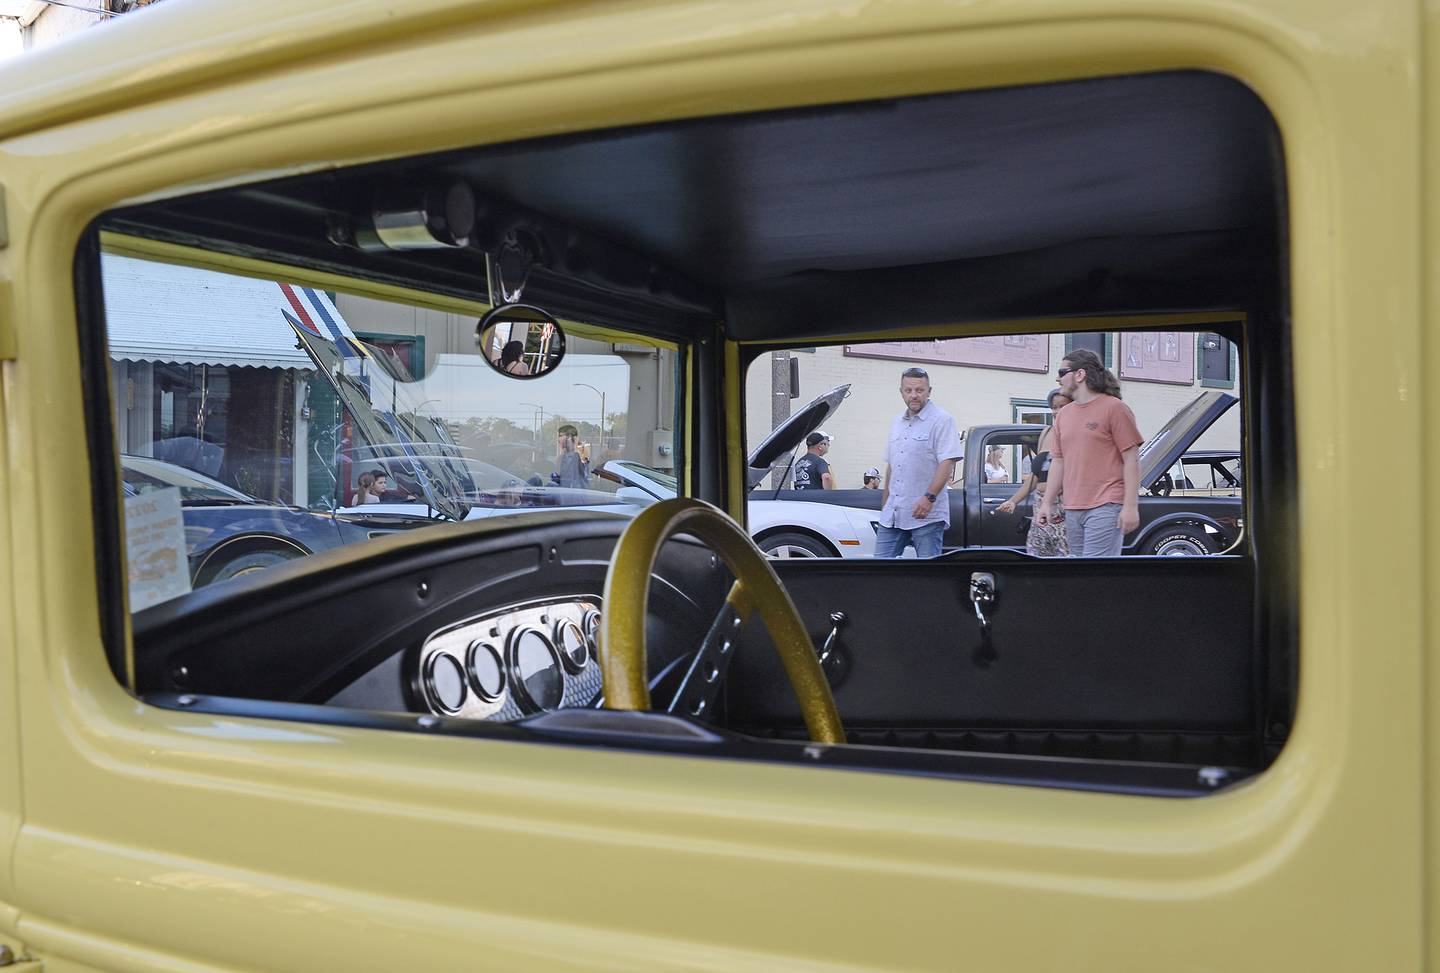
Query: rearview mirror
(520, 340)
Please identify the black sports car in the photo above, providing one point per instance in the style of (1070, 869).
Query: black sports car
(229, 533)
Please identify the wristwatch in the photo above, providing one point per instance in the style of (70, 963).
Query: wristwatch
(930, 497)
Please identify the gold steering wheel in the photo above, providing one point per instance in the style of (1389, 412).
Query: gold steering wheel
(757, 588)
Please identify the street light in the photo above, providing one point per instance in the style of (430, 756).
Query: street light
(538, 413)
(602, 409)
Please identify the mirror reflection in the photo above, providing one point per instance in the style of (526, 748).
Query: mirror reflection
(520, 340)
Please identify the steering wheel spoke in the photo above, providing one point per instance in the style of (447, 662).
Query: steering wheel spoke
(706, 676)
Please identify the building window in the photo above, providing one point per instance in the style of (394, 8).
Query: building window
(1031, 411)
(1097, 341)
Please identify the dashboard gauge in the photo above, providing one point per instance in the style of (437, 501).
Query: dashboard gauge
(444, 683)
(591, 623)
(535, 669)
(574, 647)
(486, 669)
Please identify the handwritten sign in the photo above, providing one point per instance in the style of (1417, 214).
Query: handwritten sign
(155, 548)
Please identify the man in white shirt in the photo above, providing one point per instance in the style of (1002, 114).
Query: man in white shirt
(919, 465)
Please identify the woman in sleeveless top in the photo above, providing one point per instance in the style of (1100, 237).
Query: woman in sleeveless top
(1048, 540)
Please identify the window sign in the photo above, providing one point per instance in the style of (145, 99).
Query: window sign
(155, 548)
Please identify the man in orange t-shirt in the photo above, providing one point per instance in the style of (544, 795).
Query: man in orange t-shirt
(1095, 456)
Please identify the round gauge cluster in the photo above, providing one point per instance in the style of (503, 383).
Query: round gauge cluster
(525, 670)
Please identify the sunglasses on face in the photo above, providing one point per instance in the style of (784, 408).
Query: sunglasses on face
(1065, 371)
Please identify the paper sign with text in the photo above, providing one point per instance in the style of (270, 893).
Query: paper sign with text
(155, 548)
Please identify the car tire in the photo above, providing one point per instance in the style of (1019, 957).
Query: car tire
(1180, 540)
(794, 544)
(249, 563)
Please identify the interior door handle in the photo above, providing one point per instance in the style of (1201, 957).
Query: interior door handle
(982, 596)
(992, 500)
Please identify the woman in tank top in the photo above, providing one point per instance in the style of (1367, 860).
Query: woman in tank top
(1046, 540)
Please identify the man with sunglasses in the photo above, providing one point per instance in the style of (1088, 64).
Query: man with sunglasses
(919, 465)
(1095, 457)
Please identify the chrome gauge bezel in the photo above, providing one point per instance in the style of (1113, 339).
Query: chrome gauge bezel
(461, 640)
(475, 648)
(517, 680)
(558, 638)
(590, 624)
(432, 695)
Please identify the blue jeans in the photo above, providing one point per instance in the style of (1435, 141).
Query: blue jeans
(891, 541)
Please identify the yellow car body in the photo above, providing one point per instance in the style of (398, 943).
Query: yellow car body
(134, 837)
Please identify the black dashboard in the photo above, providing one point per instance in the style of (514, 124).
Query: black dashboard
(501, 665)
(488, 621)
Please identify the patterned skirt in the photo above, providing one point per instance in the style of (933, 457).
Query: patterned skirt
(1049, 540)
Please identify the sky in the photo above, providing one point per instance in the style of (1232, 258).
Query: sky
(461, 386)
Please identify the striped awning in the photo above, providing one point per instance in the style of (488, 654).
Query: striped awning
(161, 312)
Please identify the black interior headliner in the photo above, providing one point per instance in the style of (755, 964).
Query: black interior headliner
(1146, 192)
(732, 202)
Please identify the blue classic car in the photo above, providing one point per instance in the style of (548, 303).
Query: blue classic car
(229, 533)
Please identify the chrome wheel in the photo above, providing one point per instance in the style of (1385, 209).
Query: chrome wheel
(794, 544)
(789, 550)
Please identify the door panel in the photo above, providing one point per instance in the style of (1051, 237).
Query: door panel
(1079, 646)
(994, 527)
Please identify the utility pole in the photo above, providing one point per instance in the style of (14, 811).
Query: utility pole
(537, 419)
(779, 404)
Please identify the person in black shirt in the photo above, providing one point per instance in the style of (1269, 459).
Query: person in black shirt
(812, 472)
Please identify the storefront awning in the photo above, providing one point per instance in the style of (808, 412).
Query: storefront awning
(160, 312)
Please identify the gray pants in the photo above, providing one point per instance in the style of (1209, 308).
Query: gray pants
(1094, 532)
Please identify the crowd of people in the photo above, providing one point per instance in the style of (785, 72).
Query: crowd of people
(1082, 479)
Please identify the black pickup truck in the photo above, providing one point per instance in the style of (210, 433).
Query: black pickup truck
(1173, 521)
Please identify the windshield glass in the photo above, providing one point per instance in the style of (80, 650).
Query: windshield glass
(347, 418)
(389, 427)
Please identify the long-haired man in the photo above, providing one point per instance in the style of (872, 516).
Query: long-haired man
(1095, 457)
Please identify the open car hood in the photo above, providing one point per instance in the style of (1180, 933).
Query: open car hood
(792, 432)
(393, 428)
(1179, 434)
(784, 438)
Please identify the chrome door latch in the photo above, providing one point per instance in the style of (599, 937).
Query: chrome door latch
(982, 595)
(834, 660)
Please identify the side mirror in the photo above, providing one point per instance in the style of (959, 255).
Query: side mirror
(520, 340)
